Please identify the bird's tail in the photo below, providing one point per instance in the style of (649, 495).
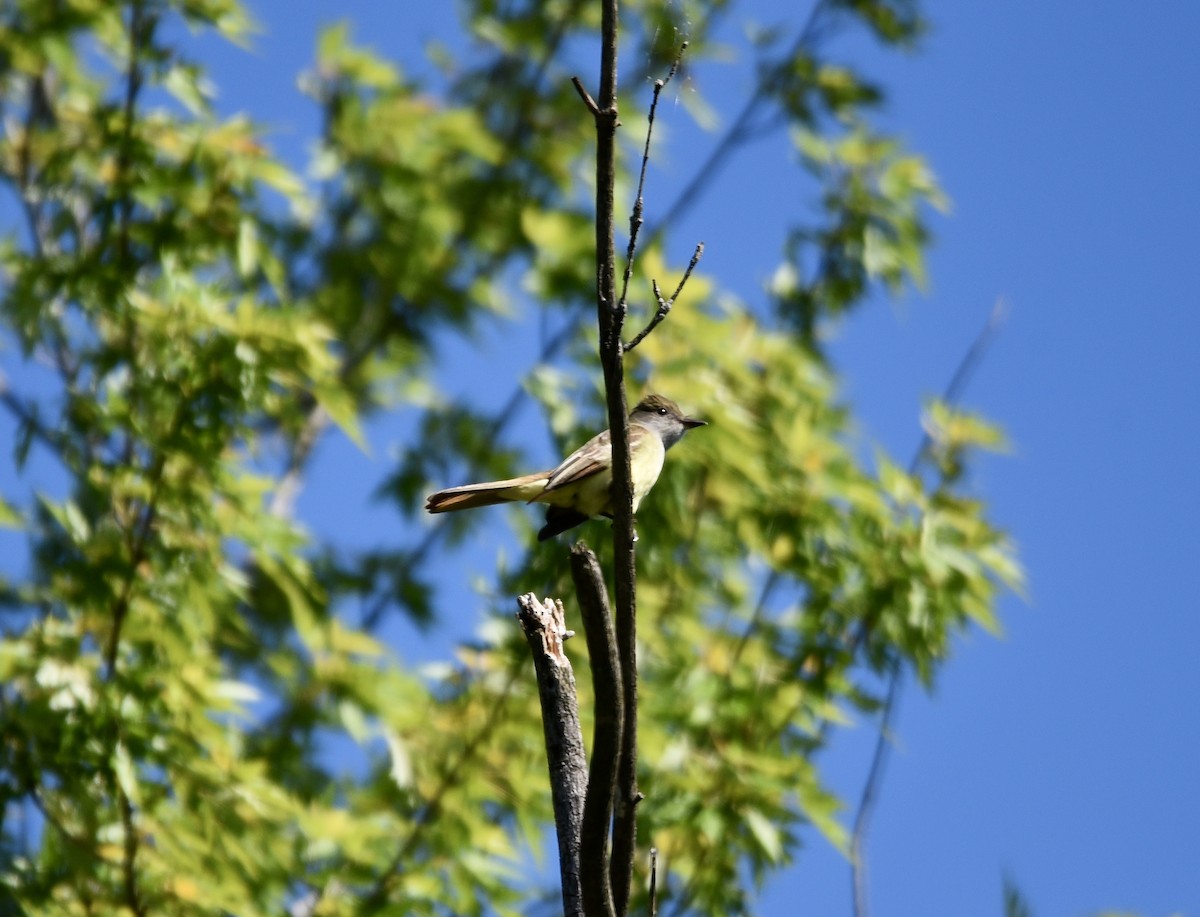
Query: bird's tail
(489, 493)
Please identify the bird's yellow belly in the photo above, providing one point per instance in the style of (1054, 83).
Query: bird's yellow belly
(590, 496)
(645, 466)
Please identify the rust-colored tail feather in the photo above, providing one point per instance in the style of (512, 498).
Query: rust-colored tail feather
(470, 496)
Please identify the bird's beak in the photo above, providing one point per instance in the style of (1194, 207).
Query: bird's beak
(690, 422)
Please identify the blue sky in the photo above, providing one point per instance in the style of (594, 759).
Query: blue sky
(1067, 135)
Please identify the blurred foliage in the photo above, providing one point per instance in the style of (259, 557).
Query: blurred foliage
(191, 319)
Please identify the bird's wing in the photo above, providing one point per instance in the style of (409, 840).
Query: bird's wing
(591, 458)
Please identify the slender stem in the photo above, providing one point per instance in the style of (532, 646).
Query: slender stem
(966, 368)
(653, 881)
(866, 805)
(635, 217)
(133, 898)
(611, 317)
(665, 303)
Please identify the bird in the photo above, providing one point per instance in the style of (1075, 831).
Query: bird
(580, 487)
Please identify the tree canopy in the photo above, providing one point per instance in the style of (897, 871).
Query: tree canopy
(185, 318)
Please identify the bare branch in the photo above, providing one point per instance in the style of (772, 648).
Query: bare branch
(545, 630)
(608, 730)
(610, 316)
(664, 305)
(653, 881)
(742, 129)
(966, 368)
(133, 898)
(635, 217)
(866, 804)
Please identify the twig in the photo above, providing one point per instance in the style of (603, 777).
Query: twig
(635, 216)
(664, 305)
(133, 898)
(739, 131)
(866, 805)
(653, 882)
(966, 368)
(545, 630)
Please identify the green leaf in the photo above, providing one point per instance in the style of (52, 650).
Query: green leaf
(126, 771)
(248, 247)
(765, 834)
(401, 770)
(68, 515)
(10, 516)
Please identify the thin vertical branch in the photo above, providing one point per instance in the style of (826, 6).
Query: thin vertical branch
(866, 805)
(653, 882)
(133, 899)
(741, 129)
(639, 204)
(608, 729)
(610, 316)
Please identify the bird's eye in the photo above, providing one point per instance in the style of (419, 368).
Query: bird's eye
(663, 411)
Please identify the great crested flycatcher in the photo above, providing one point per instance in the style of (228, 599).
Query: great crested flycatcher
(579, 488)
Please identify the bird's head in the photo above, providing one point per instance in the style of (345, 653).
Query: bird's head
(664, 417)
